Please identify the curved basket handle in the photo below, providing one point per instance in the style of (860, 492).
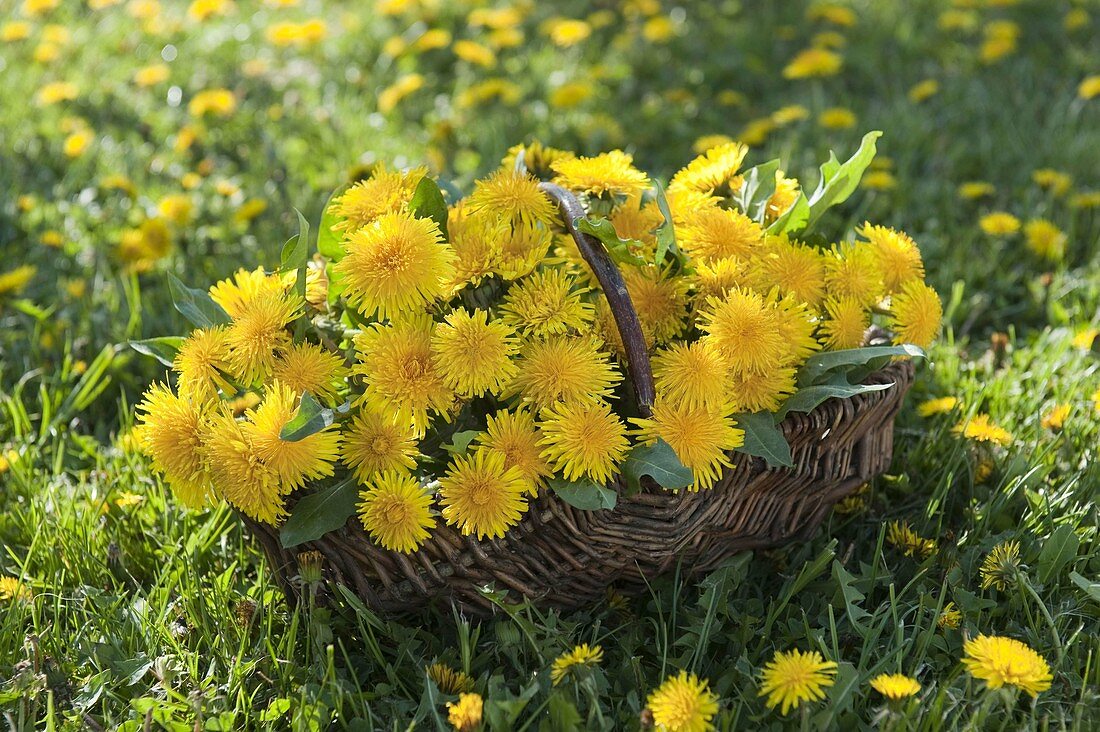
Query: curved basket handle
(611, 280)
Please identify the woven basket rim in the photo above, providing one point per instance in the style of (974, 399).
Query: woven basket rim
(448, 565)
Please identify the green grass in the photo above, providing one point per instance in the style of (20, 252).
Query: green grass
(144, 614)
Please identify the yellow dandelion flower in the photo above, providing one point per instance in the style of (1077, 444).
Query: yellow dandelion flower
(537, 158)
(143, 9)
(715, 171)
(828, 39)
(1084, 338)
(448, 680)
(521, 249)
(1055, 181)
(995, 48)
(474, 53)
(916, 314)
(14, 281)
(716, 279)
(636, 223)
(1055, 419)
(854, 503)
(793, 677)
(567, 32)
(465, 714)
(243, 403)
(308, 367)
(581, 656)
(949, 617)
(879, 180)
(1001, 566)
(923, 91)
(837, 118)
(474, 354)
(999, 223)
(761, 391)
(942, 405)
(813, 62)
(660, 300)
(55, 92)
(901, 535)
(512, 195)
(706, 142)
(974, 189)
(375, 441)
(77, 143)
(294, 462)
(475, 241)
(955, 19)
(514, 435)
(830, 13)
(250, 209)
(152, 75)
(718, 233)
(177, 208)
(1045, 239)
(216, 102)
(845, 324)
(683, 703)
(684, 204)
(791, 267)
(126, 499)
(237, 472)
(200, 361)
(11, 457)
(1000, 661)
(895, 687)
(396, 511)
(899, 259)
(786, 193)
(433, 38)
(743, 327)
(692, 375)
(611, 174)
(172, 430)
(546, 303)
(562, 369)
(234, 294)
(200, 10)
(481, 496)
(395, 265)
(140, 248)
(1075, 19)
(385, 191)
(852, 270)
(981, 428)
(583, 440)
(700, 436)
(15, 30)
(1089, 88)
(401, 373)
(795, 324)
(259, 334)
(12, 589)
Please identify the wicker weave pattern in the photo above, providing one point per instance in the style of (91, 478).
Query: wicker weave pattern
(563, 557)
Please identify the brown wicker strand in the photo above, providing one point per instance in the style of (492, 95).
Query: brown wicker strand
(564, 558)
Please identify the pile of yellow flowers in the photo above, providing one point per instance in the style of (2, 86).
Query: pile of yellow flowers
(450, 362)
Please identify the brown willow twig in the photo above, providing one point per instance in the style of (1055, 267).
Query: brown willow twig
(614, 288)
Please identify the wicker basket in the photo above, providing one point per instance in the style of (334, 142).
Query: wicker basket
(560, 556)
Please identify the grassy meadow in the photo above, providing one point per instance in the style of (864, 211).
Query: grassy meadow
(141, 138)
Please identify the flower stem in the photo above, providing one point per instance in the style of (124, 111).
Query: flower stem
(1028, 589)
